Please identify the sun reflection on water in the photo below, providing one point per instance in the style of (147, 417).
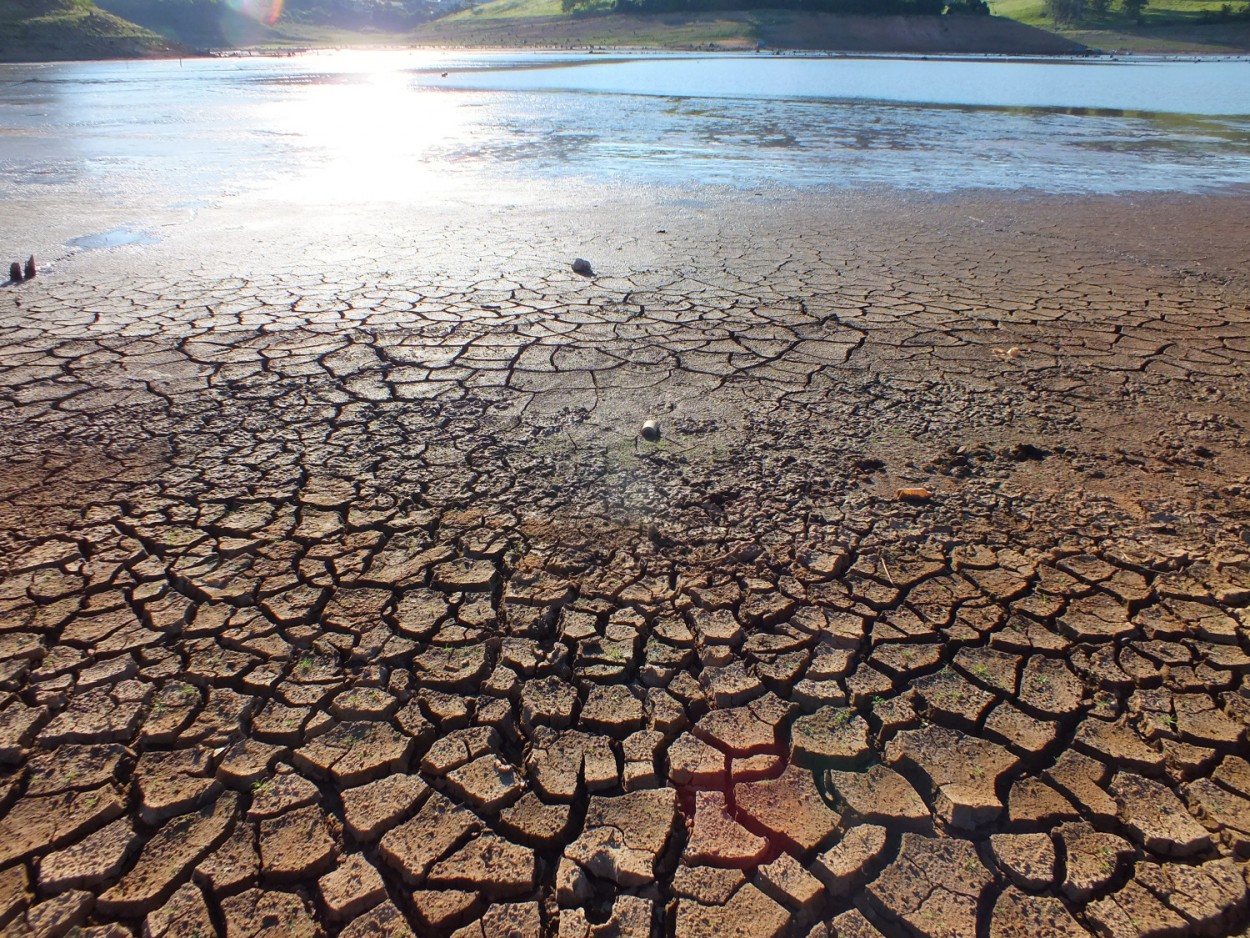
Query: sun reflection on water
(371, 133)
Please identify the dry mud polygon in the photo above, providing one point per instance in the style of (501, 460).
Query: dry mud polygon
(340, 596)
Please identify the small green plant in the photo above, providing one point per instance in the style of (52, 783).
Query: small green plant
(1107, 864)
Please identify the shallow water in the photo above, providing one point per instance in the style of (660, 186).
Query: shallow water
(403, 125)
(115, 238)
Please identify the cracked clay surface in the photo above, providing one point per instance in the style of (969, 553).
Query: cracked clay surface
(340, 596)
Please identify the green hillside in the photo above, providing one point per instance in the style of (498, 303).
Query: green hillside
(48, 30)
(33, 30)
(218, 24)
(201, 24)
(540, 23)
(1018, 26)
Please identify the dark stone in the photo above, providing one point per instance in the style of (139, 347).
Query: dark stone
(30, 268)
(15, 272)
(582, 266)
(1025, 452)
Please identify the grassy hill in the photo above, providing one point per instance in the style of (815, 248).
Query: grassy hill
(34, 30)
(540, 23)
(201, 24)
(219, 24)
(1018, 26)
(49, 30)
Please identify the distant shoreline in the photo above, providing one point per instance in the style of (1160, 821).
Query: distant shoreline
(769, 32)
(277, 52)
(1108, 55)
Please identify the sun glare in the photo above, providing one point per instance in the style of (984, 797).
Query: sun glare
(371, 131)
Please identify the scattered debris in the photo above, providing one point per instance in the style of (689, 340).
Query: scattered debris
(916, 494)
(651, 430)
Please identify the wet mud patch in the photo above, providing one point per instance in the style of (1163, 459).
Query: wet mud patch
(113, 238)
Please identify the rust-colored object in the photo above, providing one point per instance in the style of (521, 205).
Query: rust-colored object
(914, 494)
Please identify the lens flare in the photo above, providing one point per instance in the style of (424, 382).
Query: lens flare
(262, 11)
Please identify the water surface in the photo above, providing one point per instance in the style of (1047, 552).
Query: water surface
(401, 125)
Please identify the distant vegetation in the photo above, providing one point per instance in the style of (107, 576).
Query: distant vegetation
(1139, 25)
(1017, 26)
(69, 29)
(1103, 13)
(199, 23)
(217, 24)
(41, 30)
(851, 7)
(548, 23)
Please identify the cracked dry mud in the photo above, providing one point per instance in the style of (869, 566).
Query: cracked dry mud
(340, 597)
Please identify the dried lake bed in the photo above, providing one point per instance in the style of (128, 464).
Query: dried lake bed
(340, 594)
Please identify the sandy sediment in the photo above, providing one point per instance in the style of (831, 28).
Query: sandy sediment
(341, 596)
